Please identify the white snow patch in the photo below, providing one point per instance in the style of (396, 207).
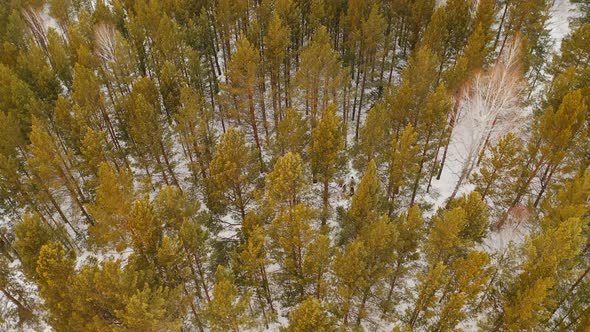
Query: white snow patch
(560, 15)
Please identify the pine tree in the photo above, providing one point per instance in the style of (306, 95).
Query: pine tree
(243, 83)
(225, 24)
(432, 135)
(175, 207)
(361, 267)
(33, 68)
(569, 73)
(553, 138)
(151, 310)
(196, 245)
(55, 268)
(379, 238)
(373, 137)
(444, 238)
(316, 264)
(59, 58)
(197, 134)
(366, 203)
(251, 262)
(356, 13)
(310, 316)
(31, 235)
(476, 216)
(410, 232)
(291, 14)
(233, 172)
(529, 20)
(419, 79)
(16, 98)
(444, 249)
(530, 294)
(468, 278)
(114, 199)
(51, 162)
(319, 75)
(104, 288)
(227, 311)
(91, 107)
(62, 12)
(129, 299)
(145, 125)
(366, 38)
(485, 16)
(447, 31)
(562, 83)
(170, 89)
(172, 266)
(471, 60)
(21, 304)
(402, 167)
(286, 183)
(573, 47)
(145, 231)
(420, 13)
(498, 172)
(569, 202)
(277, 50)
(427, 295)
(583, 7)
(326, 153)
(94, 149)
(292, 134)
(292, 236)
(18, 185)
(68, 125)
(11, 182)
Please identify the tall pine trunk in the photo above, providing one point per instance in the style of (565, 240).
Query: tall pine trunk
(255, 129)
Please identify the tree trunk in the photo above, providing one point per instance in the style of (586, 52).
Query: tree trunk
(161, 167)
(452, 122)
(356, 90)
(23, 309)
(392, 283)
(419, 174)
(255, 130)
(325, 200)
(569, 291)
(275, 99)
(263, 109)
(484, 192)
(266, 287)
(169, 166)
(358, 119)
(501, 25)
(544, 185)
(485, 143)
(359, 316)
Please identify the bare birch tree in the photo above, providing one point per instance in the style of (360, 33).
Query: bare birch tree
(491, 107)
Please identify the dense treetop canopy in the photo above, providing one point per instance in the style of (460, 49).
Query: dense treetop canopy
(294, 165)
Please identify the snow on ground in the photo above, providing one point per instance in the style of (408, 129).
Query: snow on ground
(499, 241)
(560, 15)
(458, 151)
